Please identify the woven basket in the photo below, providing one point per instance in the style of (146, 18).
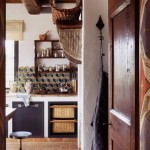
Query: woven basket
(63, 111)
(63, 126)
(70, 34)
(65, 14)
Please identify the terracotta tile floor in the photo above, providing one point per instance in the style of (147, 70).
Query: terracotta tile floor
(43, 144)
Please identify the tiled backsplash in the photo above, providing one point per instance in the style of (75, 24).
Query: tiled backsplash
(47, 81)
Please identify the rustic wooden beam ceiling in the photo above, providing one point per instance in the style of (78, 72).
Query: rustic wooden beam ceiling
(13, 1)
(32, 6)
(43, 1)
(38, 6)
(65, 1)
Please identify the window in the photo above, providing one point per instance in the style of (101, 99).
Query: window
(11, 50)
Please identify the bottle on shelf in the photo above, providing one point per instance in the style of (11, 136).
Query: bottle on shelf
(47, 52)
(42, 53)
(55, 54)
(74, 85)
(62, 54)
(38, 54)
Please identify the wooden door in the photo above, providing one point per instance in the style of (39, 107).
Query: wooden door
(2, 75)
(123, 75)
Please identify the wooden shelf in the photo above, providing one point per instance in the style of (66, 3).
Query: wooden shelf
(54, 72)
(49, 57)
(63, 106)
(46, 40)
(64, 121)
(54, 46)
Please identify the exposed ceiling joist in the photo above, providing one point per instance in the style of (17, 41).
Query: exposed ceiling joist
(65, 1)
(43, 1)
(32, 6)
(13, 1)
(38, 6)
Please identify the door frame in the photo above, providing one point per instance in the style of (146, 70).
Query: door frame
(2, 75)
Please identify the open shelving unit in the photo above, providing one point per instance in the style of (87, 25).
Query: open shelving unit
(48, 50)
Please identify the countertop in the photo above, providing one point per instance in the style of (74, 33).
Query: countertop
(45, 95)
(42, 97)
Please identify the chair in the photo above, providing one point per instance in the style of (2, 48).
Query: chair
(20, 135)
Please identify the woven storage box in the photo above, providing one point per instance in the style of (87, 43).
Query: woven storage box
(63, 111)
(63, 126)
(65, 14)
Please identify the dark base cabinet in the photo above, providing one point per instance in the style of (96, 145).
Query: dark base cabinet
(29, 118)
(62, 119)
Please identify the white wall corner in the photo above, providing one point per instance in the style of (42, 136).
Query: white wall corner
(91, 62)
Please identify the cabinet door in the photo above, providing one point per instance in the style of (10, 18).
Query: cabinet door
(29, 118)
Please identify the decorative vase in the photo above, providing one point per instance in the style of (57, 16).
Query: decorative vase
(28, 87)
(13, 87)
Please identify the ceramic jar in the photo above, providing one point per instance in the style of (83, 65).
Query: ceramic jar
(28, 87)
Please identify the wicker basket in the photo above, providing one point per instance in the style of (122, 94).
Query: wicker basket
(63, 126)
(63, 111)
(65, 14)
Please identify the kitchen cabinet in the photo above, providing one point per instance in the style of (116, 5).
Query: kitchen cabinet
(29, 118)
(62, 119)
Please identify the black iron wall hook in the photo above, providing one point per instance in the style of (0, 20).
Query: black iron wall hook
(101, 38)
(100, 26)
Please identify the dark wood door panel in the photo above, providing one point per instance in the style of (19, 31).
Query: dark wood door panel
(123, 75)
(123, 63)
(115, 146)
(120, 135)
(116, 6)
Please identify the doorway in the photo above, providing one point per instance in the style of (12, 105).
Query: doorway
(24, 52)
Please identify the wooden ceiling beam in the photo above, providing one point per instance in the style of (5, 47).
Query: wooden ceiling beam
(32, 6)
(13, 1)
(65, 1)
(38, 6)
(43, 1)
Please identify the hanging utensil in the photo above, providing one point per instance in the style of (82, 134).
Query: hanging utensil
(43, 36)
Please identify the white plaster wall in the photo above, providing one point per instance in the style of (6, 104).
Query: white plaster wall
(34, 25)
(80, 105)
(91, 61)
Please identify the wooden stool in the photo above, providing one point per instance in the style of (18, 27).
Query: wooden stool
(20, 135)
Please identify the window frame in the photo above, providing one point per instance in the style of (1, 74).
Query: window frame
(16, 60)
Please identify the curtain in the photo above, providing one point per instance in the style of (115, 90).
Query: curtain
(14, 30)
